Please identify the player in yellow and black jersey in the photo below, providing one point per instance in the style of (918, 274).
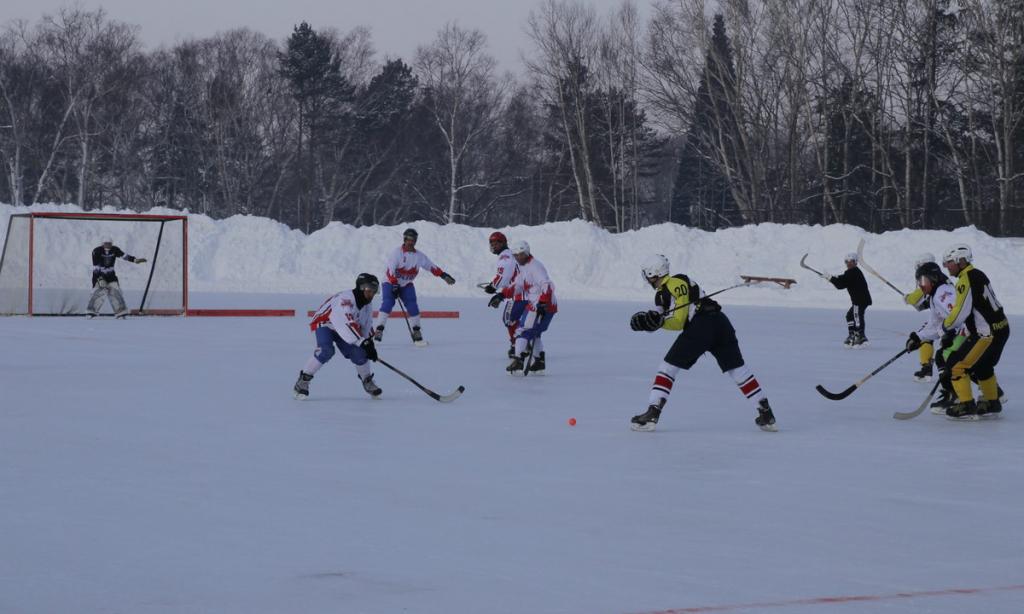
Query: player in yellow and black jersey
(680, 306)
(988, 330)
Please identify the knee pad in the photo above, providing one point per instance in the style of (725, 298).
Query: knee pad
(323, 353)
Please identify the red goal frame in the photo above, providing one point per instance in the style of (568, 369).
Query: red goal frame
(124, 217)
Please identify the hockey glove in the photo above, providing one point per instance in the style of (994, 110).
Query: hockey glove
(495, 301)
(490, 289)
(649, 321)
(140, 260)
(913, 342)
(448, 278)
(369, 348)
(394, 291)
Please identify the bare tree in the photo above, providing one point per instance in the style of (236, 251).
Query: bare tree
(566, 37)
(465, 100)
(89, 54)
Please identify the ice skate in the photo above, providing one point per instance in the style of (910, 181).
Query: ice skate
(647, 421)
(765, 419)
(378, 334)
(537, 364)
(963, 411)
(516, 366)
(370, 387)
(924, 374)
(417, 337)
(849, 340)
(859, 341)
(301, 388)
(941, 404)
(989, 409)
(512, 350)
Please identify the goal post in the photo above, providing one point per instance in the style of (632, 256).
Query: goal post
(46, 263)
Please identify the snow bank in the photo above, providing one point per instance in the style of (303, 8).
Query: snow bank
(251, 254)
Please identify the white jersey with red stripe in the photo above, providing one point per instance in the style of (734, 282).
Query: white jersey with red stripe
(507, 271)
(341, 314)
(404, 265)
(533, 284)
(940, 306)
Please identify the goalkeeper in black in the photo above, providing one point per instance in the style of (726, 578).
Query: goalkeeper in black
(703, 328)
(104, 279)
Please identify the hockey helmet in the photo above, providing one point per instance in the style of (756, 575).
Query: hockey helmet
(520, 247)
(923, 259)
(932, 272)
(957, 253)
(107, 241)
(367, 281)
(497, 236)
(410, 233)
(655, 267)
(851, 257)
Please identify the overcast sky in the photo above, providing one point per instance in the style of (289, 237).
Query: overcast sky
(397, 26)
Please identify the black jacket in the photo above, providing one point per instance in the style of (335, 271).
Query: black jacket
(103, 263)
(853, 282)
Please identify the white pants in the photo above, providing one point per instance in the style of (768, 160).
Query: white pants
(104, 289)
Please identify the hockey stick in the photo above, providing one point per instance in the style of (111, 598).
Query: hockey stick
(529, 357)
(913, 414)
(838, 396)
(688, 303)
(867, 267)
(483, 284)
(803, 263)
(446, 398)
(405, 312)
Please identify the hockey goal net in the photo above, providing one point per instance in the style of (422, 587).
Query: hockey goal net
(46, 264)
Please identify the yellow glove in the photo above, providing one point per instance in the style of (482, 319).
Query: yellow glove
(139, 260)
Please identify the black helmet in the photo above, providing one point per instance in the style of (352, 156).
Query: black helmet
(367, 281)
(410, 233)
(933, 272)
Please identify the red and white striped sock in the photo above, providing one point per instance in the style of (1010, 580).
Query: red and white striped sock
(747, 383)
(663, 381)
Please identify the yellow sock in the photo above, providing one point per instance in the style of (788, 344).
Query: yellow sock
(927, 351)
(962, 388)
(989, 388)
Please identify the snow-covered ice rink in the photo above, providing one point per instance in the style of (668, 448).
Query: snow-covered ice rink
(161, 465)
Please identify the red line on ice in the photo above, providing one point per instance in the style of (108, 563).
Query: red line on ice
(841, 599)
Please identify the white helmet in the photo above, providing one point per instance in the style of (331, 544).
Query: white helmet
(655, 266)
(520, 247)
(851, 257)
(108, 240)
(957, 253)
(924, 259)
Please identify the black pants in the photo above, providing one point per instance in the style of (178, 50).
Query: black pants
(855, 318)
(707, 332)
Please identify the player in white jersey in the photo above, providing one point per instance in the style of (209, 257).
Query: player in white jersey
(404, 265)
(344, 320)
(504, 277)
(940, 297)
(534, 286)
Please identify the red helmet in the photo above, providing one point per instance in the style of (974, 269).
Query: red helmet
(497, 236)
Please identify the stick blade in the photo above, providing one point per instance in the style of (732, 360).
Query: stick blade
(907, 415)
(833, 395)
(451, 396)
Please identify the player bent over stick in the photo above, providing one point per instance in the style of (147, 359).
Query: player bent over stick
(704, 328)
(344, 320)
